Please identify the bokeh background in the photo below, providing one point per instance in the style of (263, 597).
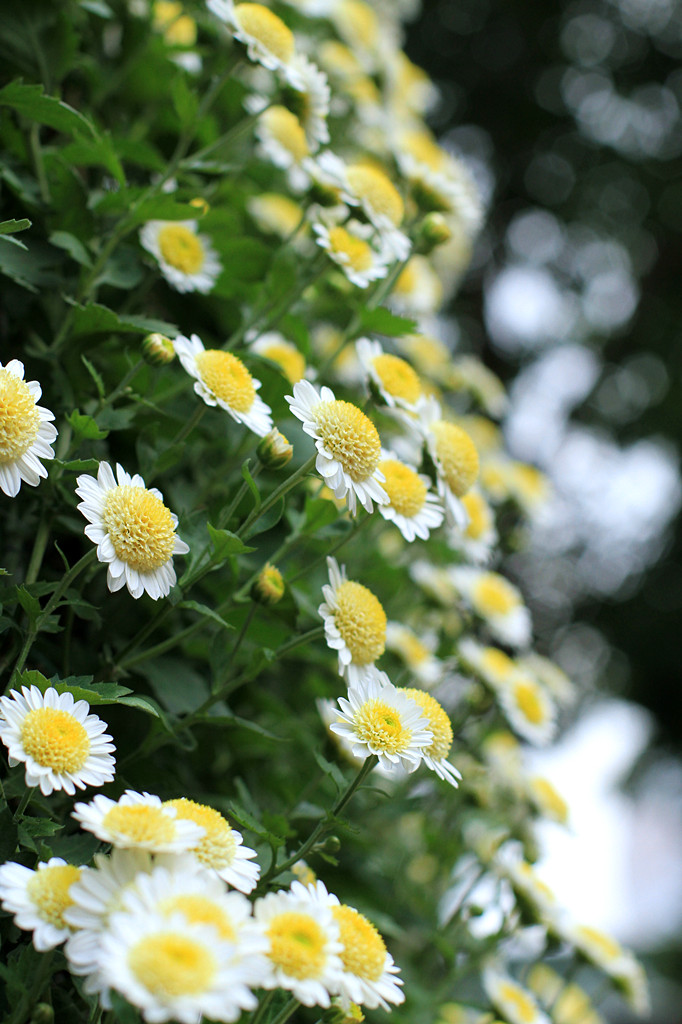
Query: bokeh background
(569, 115)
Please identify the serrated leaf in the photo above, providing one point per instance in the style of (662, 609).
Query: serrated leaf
(9, 227)
(382, 321)
(86, 426)
(36, 827)
(226, 543)
(31, 102)
(28, 602)
(75, 849)
(330, 769)
(79, 465)
(246, 820)
(69, 243)
(95, 153)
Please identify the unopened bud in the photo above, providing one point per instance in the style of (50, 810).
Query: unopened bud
(157, 350)
(269, 586)
(274, 451)
(432, 232)
(42, 1014)
(200, 205)
(337, 1014)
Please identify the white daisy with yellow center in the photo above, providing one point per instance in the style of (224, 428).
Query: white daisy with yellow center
(170, 969)
(369, 971)
(348, 445)
(435, 754)
(535, 894)
(138, 821)
(61, 744)
(608, 955)
(222, 379)
(187, 259)
(39, 899)
(26, 430)
(275, 213)
(417, 650)
(568, 1003)
(282, 141)
(377, 718)
(310, 98)
(412, 506)
(328, 712)
(355, 248)
(477, 540)
(267, 39)
(133, 530)
(393, 377)
(354, 623)
(528, 708)
(435, 580)
(221, 848)
(491, 664)
(418, 290)
(550, 675)
(497, 602)
(547, 800)
(274, 346)
(439, 180)
(303, 939)
(454, 456)
(515, 1003)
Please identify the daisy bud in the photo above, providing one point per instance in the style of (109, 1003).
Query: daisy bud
(42, 1014)
(157, 350)
(432, 232)
(200, 205)
(338, 1013)
(274, 451)
(269, 587)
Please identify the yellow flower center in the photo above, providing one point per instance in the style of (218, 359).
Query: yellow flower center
(529, 700)
(361, 621)
(178, 28)
(551, 802)
(170, 965)
(531, 879)
(227, 378)
(48, 890)
(200, 910)
(286, 129)
(139, 824)
(140, 527)
(217, 846)
(297, 945)
(407, 493)
(181, 248)
(439, 723)
(407, 280)
(372, 185)
(288, 358)
(19, 418)
(497, 663)
(603, 942)
(531, 482)
(267, 29)
(358, 22)
(397, 377)
(55, 739)
(493, 595)
(412, 649)
(422, 147)
(364, 952)
(349, 436)
(513, 996)
(379, 724)
(457, 455)
(275, 212)
(480, 516)
(339, 59)
(356, 250)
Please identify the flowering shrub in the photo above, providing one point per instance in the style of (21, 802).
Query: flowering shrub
(294, 683)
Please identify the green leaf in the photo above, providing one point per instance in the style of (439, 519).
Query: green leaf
(244, 258)
(226, 543)
(9, 227)
(319, 513)
(330, 769)
(97, 377)
(75, 849)
(245, 820)
(382, 321)
(205, 612)
(122, 1011)
(268, 519)
(185, 100)
(97, 153)
(97, 319)
(75, 248)
(251, 483)
(177, 687)
(31, 102)
(28, 602)
(146, 704)
(79, 465)
(85, 426)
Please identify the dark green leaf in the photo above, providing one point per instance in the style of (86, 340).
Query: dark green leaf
(185, 100)
(75, 248)
(97, 319)
(382, 321)
(205, 612)
(28, 602)
(32, 103)
(97, 377)
(85, 426)
(226, 544)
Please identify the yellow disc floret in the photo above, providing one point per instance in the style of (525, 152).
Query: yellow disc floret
(604, 943)
(139, 824)
(199, 909)
(170, 965)
(227, 378)
(492, 595)
(497, 663)
(181, 248)
(528, 696)
(48, 890)
(397, 377)
(372, 185)
(55, 739)
(140, 527)
(19, 418)
(286, 129)
(267, 29)
(439, 723)
(217, 846)
(406, 492)
(297, 945)
(364, 952)
(457, 455)
(480, 516)
(349, 436)
(361, 621)
(288, 358)
(523, 1006)
(355, 251)
(379, 725)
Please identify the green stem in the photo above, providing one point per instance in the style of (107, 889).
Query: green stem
(263, 1007)
(120, 388)
(23, 803)
(37, 154)
(328, 552)
(39, 545)
(184, 432)
(286, 1012)
(22, 1010)
(162, 647)
(157, 618)
(278, 493)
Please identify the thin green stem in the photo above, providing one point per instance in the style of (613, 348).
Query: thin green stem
(39, 545)
(286, 1012)
(278, 493)
(157, 618)
(120, 388)
(23, 803)
(263, 1007)
(162, 647)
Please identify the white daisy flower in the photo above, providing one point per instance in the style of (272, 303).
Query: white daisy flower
(546, 799)
(491, 664)
(221, 848)
(608, 955)
(348, 445)
(497, 601)
(380, 719)
(274, 346)
(354, 623)
(550, 675)
(528, 708)
(282, 141)
(328, 712)
(171, 969)
(393, 377)
(275, 214)
(350, 248)
(508, 862)
(133, 530)
(435, 753)
(435, 580)
(477, 540)
(187, 260)
(38, 899)
(26, 430)
(515, 1003)
(61, 744)
(267, 39)
(413, 508)
(138, 820)
(304, 947)
(418, 290)
(222, 379)
(310, 99)
(417, 651)
(455, 457)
